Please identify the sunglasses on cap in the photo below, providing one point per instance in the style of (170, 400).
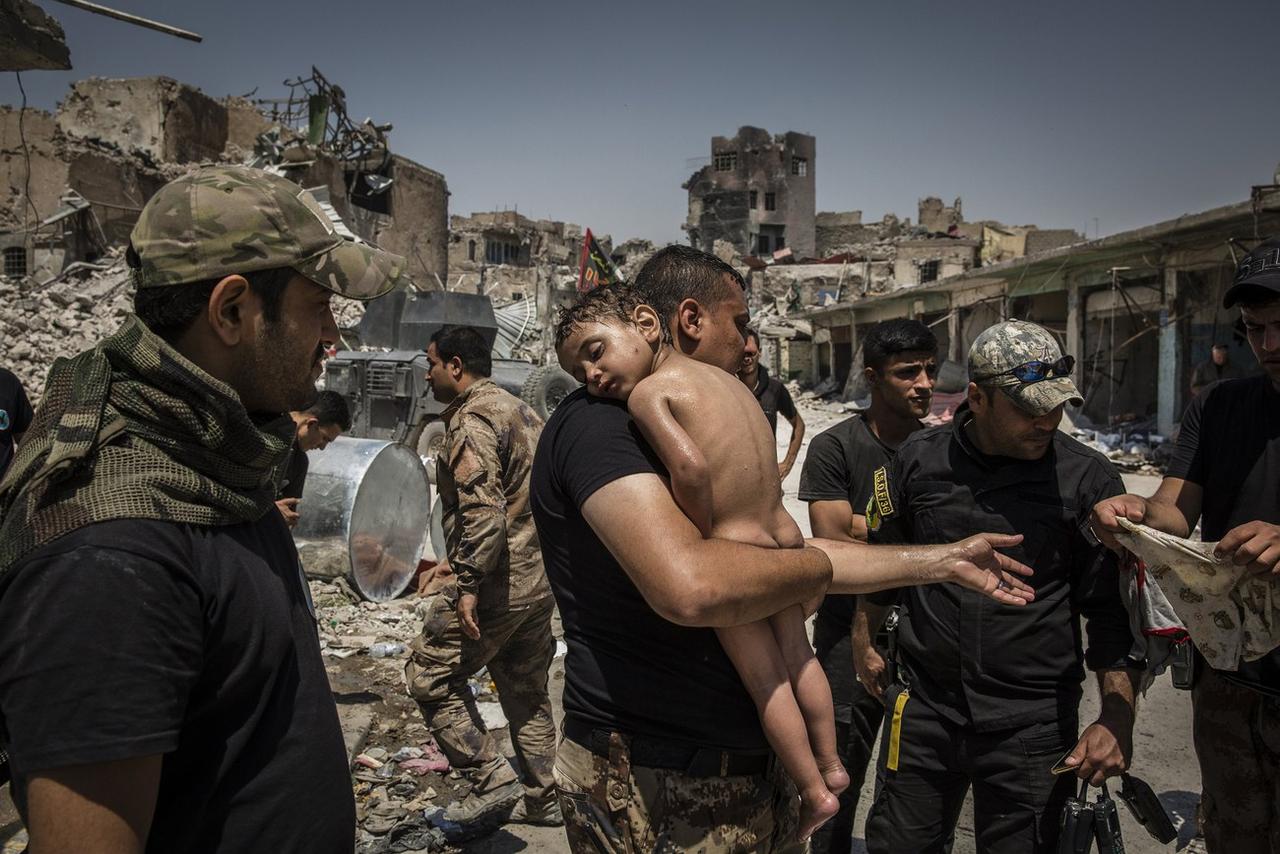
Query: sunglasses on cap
(1035, 371)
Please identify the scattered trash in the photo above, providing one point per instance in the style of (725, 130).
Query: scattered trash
(387, 650)
(368, 761)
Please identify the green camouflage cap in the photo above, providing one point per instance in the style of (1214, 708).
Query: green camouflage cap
(221, 220)
(1007, 345)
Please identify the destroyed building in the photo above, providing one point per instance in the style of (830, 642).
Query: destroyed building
(757, 193)
(114, 142)
(73, 183)
(1138, 309)
(508, 256)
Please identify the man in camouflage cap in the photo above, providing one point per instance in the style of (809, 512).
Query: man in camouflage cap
(987, 695)
(161, 685)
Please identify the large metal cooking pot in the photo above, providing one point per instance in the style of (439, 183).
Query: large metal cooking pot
(365, 514)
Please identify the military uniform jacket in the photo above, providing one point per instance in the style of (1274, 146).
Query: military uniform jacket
(483, 483)
(978, 662)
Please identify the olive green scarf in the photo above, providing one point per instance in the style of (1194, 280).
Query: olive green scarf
(133, 430)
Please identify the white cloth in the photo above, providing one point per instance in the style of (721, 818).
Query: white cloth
(1231, 614)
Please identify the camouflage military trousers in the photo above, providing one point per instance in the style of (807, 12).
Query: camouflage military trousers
(614, 807)
(517, 646)
(1237, 736)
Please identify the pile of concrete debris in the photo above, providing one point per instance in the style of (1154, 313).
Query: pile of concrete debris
(72, 312)
(400, 779)
(62, 317)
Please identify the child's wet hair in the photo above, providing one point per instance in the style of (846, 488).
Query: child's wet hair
(609, 302)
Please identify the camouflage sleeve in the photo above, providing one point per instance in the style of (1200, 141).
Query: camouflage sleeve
(481, 514)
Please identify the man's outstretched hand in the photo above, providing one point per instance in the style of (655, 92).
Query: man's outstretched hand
(975, 563)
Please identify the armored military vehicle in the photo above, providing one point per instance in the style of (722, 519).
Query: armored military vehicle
(387, 388)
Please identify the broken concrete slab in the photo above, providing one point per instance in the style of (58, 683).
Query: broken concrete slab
(30, 39)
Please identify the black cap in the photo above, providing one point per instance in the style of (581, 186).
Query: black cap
(1258, 273)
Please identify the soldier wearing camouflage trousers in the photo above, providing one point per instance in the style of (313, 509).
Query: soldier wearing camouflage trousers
(498, 614)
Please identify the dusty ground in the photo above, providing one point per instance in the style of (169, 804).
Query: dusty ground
(376, 714)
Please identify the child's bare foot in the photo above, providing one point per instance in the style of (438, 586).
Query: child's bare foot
(817, 807)
(834, 775)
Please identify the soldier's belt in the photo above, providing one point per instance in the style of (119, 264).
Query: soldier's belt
(671, 755)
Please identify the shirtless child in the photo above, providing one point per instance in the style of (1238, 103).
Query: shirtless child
(713, 438)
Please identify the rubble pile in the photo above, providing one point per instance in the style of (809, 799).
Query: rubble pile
(400, 778)
(40, 323)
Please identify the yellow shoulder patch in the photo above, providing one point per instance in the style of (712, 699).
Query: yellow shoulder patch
(880, 506)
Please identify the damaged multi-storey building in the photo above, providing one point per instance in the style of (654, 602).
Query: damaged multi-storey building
(76, 180)
(1138, 309)
(73, 182)
(756, 193)
(509, 256)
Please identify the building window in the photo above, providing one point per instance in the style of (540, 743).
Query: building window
(471, 250)
(779, 241)
(501, 252)
(762, 245)
(800, 166)
(753, 199)
(726, 161)
(771, 201)
(928, 271)
(15, 261)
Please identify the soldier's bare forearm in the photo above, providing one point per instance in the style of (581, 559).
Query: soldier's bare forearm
(867, 620)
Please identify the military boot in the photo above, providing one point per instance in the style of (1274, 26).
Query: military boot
(544, 813)
(480, 805)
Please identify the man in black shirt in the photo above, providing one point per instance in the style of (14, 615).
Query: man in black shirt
(161, 684)
(316, 426)
(900, 362)
(660, 739)
(1216, 368)
(15, 416)
(774, 399)
(990, 695)
(1226, 475)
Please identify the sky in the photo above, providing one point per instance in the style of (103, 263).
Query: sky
(1098, 115)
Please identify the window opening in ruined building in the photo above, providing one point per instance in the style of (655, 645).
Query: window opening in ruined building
(928, 271)
(471, 250)
(501, 252)
(753, 199)
(800, 166)
(771, 201)
(726, 161)
(762, 245)
(779, 241)
(15, 261)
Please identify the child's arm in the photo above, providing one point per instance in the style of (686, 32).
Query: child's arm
(690, 474)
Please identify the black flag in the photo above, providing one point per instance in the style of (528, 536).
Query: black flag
(594, 267)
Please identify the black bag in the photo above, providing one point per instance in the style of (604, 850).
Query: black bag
(1147, 809)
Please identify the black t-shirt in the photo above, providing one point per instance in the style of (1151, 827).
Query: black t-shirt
(839, 466)
(295, 474)
(1229, 445)
(627, 668)
(976, 661)
(774, 399)
(15, 415)
(130, 638)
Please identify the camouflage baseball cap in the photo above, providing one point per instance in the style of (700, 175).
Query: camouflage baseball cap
(1008, 345)
(221, 220)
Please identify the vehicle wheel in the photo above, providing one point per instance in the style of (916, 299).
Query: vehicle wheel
(429, 444)
(545, 388)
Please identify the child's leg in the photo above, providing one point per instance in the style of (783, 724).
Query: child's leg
(813, 694)
(755, 655)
